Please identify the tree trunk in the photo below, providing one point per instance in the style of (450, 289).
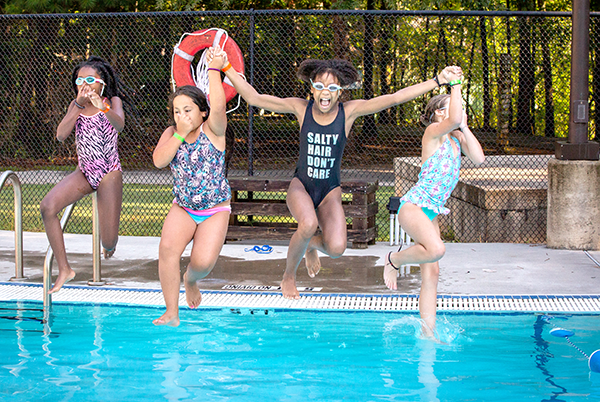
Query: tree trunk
(369, 130)
(526, 84)
(548, 92)
(386, 24)
(485, 65)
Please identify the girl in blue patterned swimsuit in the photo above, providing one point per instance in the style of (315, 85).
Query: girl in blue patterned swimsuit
(446, 135)
(194, 147)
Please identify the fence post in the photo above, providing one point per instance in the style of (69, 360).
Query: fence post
(250, 107)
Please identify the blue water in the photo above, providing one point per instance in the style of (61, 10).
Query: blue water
(86, 353)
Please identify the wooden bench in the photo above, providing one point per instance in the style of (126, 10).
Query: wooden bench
(259, 211)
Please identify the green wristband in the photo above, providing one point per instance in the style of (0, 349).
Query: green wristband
(453, 83)
(180, 138)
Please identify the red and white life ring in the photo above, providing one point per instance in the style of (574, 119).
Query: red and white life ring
(187, 48)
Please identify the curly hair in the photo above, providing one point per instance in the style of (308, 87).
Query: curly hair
(195, 94)
(343, 70)
(113, 85)
(434, 104)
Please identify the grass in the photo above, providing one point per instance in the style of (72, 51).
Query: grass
(143, 211)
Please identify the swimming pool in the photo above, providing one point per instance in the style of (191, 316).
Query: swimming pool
(92, 352)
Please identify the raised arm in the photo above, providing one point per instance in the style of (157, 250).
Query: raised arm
(455, 116)
(361, 107)
(468, 142)
(217, 119)
(268, 102)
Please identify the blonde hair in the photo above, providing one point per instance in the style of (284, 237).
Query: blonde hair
(435, 103)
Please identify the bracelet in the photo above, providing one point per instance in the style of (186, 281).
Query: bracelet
(105, 110)
(435, 78)
(180, 138)
(213, 69)
(453, 83)
(227, 67)
(78, 105)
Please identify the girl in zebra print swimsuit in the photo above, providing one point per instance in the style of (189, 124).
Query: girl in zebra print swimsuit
(97, 116)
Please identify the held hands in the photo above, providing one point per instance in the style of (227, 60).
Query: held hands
(216, 58)
(450, 73)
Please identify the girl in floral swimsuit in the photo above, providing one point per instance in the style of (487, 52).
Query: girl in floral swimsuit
(446, 135)
(194, 147)
(97, 116)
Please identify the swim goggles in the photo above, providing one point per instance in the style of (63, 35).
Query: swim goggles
(266, 249)
(319, 86)
(441, 108)
(88, 80)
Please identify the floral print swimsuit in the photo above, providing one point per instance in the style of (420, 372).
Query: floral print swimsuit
(438, 177)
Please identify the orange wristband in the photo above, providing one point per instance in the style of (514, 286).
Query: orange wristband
(227, 67)
(107, 108)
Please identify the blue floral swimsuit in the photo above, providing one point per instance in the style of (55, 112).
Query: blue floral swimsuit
(199, 181)
(438, 177)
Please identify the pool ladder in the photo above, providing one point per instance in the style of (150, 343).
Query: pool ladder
(96, 279)
(16, 184)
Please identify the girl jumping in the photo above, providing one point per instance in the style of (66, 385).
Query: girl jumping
(194, 147)
(314, 197)
(97, 115)
(446, 135)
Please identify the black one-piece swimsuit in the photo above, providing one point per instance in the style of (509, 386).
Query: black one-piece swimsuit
(321, 150)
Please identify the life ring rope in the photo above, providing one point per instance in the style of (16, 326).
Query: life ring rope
(199, 77)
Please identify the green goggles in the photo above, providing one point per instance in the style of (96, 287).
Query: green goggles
(88, 80)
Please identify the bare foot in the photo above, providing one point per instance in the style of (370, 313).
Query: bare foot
(63, 277)
(390, 274)
(288, 288)
(192, 293)
(168, 318)
(108, 253)
(313, 263)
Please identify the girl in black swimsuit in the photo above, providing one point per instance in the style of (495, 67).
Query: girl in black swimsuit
(314, 197)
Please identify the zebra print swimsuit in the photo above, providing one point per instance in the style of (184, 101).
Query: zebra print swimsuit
(97, 149)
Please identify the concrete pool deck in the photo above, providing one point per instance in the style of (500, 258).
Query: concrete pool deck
(466, 269)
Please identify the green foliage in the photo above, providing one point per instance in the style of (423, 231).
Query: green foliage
(74, 6)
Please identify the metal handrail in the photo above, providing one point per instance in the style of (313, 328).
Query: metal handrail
(16, 184)
(96, 281)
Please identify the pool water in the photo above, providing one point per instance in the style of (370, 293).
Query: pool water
(114, 353)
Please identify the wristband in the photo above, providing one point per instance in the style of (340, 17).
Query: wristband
(435, 78)
(214, 69)
(227, 67)
(180, 138)
(78, 105)
(453, 83)
(107, 108)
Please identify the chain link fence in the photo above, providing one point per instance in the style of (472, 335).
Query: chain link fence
(516, 65)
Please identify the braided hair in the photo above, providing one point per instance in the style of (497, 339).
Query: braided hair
(343, 70)
(435, 103)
